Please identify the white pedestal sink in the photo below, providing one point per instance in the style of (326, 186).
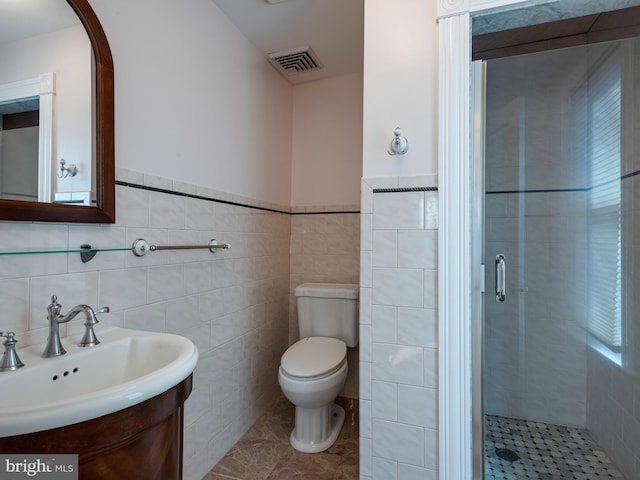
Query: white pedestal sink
(126, 368)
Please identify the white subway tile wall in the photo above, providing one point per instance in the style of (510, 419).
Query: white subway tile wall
(233, 305)
(398, 330)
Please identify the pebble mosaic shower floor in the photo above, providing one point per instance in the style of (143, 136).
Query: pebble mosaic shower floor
(543, 451)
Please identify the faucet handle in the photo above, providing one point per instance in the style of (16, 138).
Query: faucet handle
(10, 359)
(93, 319)
(54, 307)
(89, 338)
(10, 337)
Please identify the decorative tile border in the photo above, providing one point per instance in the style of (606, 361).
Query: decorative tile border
(411, 189)
(132, 179)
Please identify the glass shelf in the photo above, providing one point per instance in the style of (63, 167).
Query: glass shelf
(139, 248)
(75, 250)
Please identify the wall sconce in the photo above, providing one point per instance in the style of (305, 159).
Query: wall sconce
(69, 171)
(399, 145)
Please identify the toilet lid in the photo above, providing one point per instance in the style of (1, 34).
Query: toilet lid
(314, 356)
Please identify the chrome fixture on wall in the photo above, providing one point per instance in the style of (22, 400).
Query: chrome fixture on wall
(399, 145)
(140, 247)
(70, 171)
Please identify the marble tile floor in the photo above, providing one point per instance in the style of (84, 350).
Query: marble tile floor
(264, 452)
(521, 449)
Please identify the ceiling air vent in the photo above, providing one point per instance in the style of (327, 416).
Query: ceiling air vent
(295, 61)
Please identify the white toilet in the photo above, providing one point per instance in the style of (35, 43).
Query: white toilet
(313, 370)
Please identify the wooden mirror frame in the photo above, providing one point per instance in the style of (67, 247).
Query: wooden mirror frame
(105, 209)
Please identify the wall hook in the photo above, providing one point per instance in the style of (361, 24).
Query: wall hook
(399, 145)
(69, 171)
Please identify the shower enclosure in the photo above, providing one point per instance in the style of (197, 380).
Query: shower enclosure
(562, 195)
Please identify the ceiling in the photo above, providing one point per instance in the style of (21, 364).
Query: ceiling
(334, 29)
(569, 32)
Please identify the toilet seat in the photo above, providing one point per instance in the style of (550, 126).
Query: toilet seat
(314, 357)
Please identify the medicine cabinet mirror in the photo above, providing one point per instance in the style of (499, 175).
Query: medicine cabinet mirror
(56, 114)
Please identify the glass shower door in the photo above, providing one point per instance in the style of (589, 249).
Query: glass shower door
(556, 168)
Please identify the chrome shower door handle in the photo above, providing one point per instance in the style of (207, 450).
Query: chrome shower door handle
(501, 280)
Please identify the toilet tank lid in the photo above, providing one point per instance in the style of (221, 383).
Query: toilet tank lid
(328, 290)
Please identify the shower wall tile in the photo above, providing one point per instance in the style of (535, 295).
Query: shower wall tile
(384, 324)
(431, 211)
(384, 469)
(418, 327)
(365, 458)
(233, 305)
(410, 472)
(397, 441)
(384, 403)
(397, 363)
(431, 449)
(385, 248)
(418, 406)
(365, 381)
(417, 249)
(401, 287)
(430, 284)
(430, 367)
(613, 385)
(365, 418)
(395, 211)
(399, 331)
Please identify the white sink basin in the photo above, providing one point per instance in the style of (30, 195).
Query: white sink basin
(126, 368)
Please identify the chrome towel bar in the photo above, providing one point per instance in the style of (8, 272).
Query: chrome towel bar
(140, 247)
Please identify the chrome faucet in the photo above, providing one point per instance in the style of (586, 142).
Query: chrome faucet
(10, 359)
(54, 346)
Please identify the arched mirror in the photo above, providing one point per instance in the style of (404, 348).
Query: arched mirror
(56, 113)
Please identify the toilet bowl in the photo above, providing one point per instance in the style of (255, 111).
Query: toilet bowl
(312, 373)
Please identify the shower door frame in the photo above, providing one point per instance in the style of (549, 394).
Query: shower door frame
(459, 268)
(478, 296)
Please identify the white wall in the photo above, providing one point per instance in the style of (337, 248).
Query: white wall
(195, 101)
(327, 142)
(400, 86)
(67, 53)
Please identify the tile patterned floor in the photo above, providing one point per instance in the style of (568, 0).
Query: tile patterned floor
(545, 452)
(264, 452)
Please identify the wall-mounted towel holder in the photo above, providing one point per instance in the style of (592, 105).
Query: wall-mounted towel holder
(399, 145)
(140, 247)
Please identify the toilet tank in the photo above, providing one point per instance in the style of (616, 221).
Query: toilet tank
(328, 310)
